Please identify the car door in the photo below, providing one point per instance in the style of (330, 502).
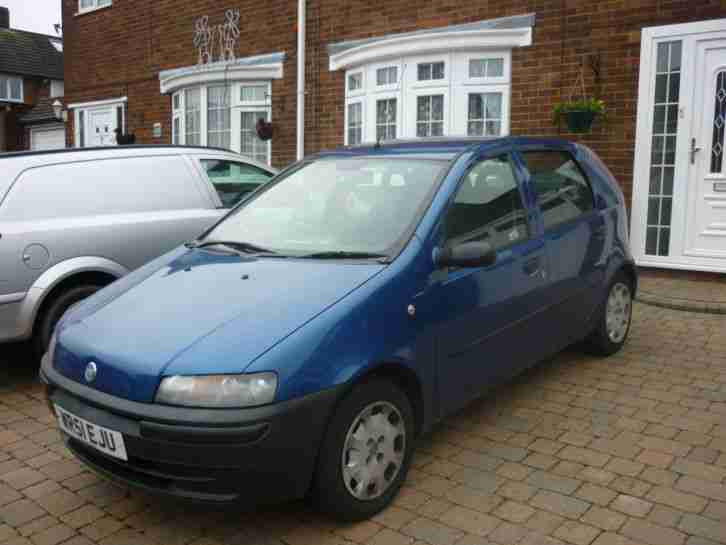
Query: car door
(574, 234)
(232, 181)
(484, 314)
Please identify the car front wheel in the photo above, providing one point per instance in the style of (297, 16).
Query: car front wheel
(366, 451)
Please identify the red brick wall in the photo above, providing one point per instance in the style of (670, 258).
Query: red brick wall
(120, 50)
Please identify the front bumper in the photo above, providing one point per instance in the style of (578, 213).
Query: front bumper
(254, 455)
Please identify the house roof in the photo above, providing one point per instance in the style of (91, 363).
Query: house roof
(30, 54)
(42, 112)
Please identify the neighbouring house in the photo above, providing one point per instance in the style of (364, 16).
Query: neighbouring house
(330, 72)
(31, 80)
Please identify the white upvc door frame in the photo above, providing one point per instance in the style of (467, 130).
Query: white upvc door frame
(688, 33)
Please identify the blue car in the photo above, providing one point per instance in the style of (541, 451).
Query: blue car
(302, 344)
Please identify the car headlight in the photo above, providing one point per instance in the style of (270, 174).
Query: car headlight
(218, 391)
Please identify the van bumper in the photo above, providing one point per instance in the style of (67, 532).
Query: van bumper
(249, 456)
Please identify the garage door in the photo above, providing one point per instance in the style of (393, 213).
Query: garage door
(47, 139)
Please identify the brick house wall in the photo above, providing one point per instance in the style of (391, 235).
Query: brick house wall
(119, 51)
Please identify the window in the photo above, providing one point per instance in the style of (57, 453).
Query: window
(488, 207)
(88, 5)
(223, 116)
(355, 81)
(233, 181)
(251, 145)
(486, 68)
(56, 88)
(430, 71)
(562, 189)
(81, 129)
(430, 115)
(386, 119)
(719, 121)
(452, 94)
(485, 114)
(192, 117)
(355, 123)
(11, 89)
(387, 75)
(218, 117)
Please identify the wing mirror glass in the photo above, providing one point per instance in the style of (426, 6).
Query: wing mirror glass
(467, 254)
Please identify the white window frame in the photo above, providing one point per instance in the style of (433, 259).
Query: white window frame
(8, 86)
(96, 4)
(456, 86)
(57, 88)
(364, 124)
(237, 106)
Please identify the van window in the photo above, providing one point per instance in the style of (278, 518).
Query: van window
(105, 186)
(233, 180)
(488, 207)
(563, 191)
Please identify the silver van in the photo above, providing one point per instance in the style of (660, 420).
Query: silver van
(73, 221)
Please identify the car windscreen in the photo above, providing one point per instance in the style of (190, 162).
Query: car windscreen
(336, 204)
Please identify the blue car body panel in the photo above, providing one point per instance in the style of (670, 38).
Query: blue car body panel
(319, 324)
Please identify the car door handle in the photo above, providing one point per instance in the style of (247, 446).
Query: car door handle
(531, 266)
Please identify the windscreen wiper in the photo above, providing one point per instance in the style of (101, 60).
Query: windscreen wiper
(343, 254)
(245, 247)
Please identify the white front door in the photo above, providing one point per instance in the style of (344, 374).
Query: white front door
(102, 124)
(678, 215)
(706, 230)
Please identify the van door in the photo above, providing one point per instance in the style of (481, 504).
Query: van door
(574, 234)
(486, 316)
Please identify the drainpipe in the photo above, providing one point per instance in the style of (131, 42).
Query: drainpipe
(300, 79)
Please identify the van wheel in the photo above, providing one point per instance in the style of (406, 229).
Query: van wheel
(614, 316)
(366, 452)
(53, 313)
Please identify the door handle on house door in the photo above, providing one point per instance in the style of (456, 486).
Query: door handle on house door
(694, 149)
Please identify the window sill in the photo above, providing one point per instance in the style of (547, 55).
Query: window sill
(91, 10)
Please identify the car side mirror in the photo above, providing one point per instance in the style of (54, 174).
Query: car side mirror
(467, 254)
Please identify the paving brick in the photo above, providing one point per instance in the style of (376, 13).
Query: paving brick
(83, 516)
(560, 505)
(666, 446)
(60, 502)
(477, 460)
(622, 449)
(657, 476)
(546, 446)
(20, 512)
(392, 517)
(506, 534)
(631, 505)
(101, 528)
(435, 486)
(665, 516)
(358, 532)
(575, 438)
(598, 495)
(699, 470)
(23, 478)
(37, 525)
(577, 533)
(584, 456)
(544, 522)
(703, 455)
(540, 461)
(703, 527)
(656, 459)
(556, 483)
(472, 498)
(53, 535)
(432, 532)
(8, 494)
(651, 533)
(603, 518)
(41, 489)
(389, 537)
(481, 480)
(676, 499)
(624, 467)
(660, 430)
(434, 508)
(514, 471)
(703, 488)
(716, 510)
(6, 532)
(630, 486)
(597, 476)
(568, 469)
(513, 511)
(609, 538)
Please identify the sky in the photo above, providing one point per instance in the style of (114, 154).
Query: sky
(34, 15)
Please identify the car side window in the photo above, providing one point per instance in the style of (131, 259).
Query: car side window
(488, 207)
(232, 180)
(562, 189)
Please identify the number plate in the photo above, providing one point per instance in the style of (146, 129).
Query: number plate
(107, 441)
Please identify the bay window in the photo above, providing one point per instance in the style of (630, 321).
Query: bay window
(223, 116)
(465, 93)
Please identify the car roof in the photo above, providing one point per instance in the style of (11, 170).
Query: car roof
(441, 148)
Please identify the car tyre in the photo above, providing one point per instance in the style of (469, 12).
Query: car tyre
(366, 452)
(54, 312)
(613, 318)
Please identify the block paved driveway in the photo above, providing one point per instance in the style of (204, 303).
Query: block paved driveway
(580, 450)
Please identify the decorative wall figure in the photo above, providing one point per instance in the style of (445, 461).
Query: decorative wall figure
(229, 35)
(203, 40)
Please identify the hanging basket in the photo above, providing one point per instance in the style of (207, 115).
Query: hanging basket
(579, 121)
(264, 129)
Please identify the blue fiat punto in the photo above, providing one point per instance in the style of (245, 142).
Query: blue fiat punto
(302, 344)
